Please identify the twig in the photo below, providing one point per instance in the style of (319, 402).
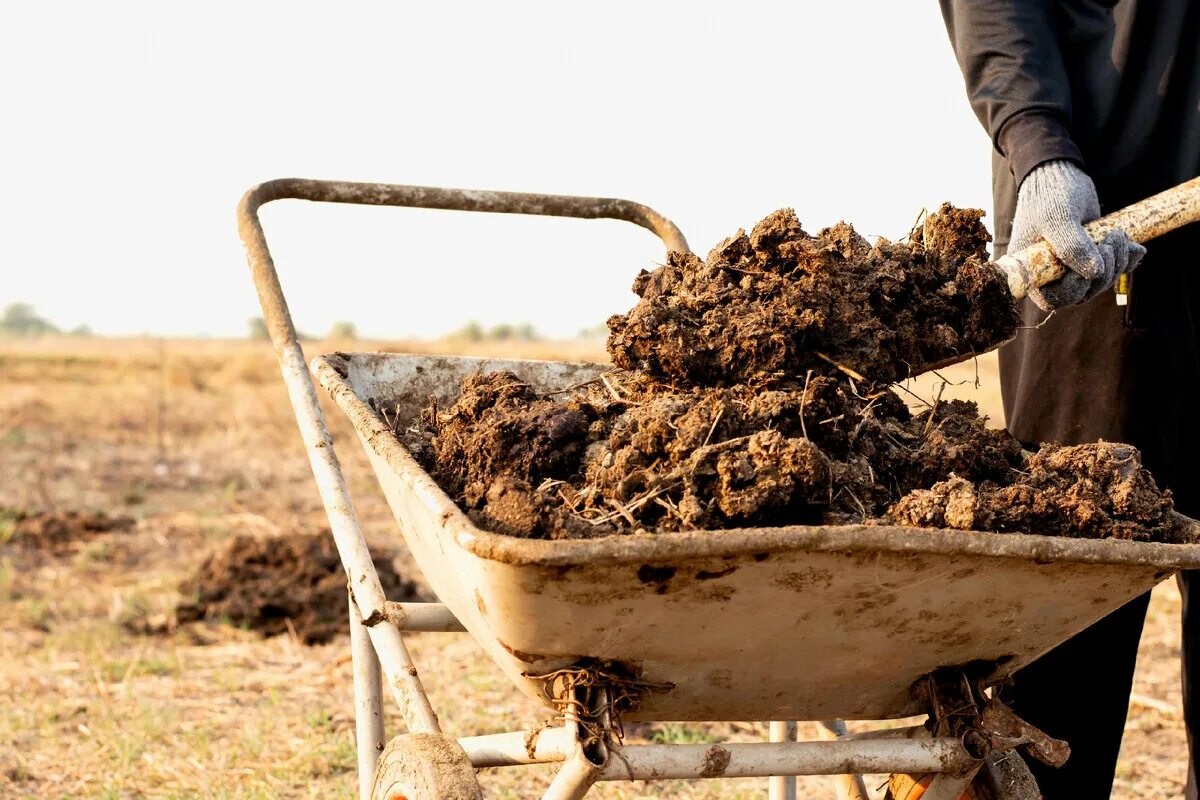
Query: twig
(611, 389)
(933, 411)
(717, 418)
(721, 445)
(672, 509)
(623, 511)
(804, 402)
(856, 375)
(949, 382)
(912, 394)
(548, 484)
(862, 510)
(572, 387)
(917, 223)
(1049, 317)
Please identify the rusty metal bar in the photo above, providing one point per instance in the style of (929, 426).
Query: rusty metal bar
(574, 778)
(685, 761)
(582, 766)
(397, 665)
(422, 617)
(368, 702)
(850, 787)
(368, 595)
(518, 748)
(545, 205)
(782, 787)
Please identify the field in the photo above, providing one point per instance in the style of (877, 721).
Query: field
(195, 442)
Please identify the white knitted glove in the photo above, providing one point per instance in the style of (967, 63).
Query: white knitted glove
(1054, 201)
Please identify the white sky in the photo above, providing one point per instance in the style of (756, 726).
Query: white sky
(129, 130)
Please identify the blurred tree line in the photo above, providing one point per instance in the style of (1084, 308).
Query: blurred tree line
(504, 332)
(21, 320)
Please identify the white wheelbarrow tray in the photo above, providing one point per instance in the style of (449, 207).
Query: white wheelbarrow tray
(769, 624)
(798, 622)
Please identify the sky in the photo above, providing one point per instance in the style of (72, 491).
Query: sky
(130, 130)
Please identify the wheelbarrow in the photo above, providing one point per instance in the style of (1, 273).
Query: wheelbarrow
(818, 623)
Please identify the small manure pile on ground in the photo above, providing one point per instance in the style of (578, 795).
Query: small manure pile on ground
(59, 533)
(267, 584)
(755, 393)
(781, 302)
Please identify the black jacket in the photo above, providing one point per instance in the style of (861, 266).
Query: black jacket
(1116, 88)
(1113, 86)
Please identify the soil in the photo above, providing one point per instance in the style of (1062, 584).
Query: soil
(779, 302)
(628, 454)
(754, 393)
(271, 584)
(60, 533)
(89, 434)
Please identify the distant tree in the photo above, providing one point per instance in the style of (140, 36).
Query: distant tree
(507, 331)
(19, 319)
(471, 332)
(525, 332)
(80, 330)
(343, 330)
(258, 329)
(501, 333)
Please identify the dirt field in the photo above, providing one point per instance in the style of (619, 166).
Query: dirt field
(195, 443)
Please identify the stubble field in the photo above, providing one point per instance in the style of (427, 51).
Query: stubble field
(195, 443)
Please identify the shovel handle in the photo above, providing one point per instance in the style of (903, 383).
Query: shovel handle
(1037, 265)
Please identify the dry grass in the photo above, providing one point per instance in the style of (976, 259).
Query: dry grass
(195, 440)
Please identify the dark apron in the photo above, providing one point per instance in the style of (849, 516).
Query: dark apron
(1130, 374)
(1132, 70)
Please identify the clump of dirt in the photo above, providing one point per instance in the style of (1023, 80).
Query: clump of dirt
(628, 453)
(1086, 491)
(268, 584)
(61, 533)
(755, 394)
(780, 302)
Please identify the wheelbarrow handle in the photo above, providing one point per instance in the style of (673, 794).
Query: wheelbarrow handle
(1162, 213)
(266, 280)
(366, 591)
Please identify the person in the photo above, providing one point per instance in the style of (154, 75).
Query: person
(1092, 106)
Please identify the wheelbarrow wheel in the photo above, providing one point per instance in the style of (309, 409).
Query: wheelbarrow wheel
(425, 766)
(1003, 776)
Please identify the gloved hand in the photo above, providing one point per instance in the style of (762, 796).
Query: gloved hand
(1054, 201)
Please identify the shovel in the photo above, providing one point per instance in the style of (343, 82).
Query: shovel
(1036, 265)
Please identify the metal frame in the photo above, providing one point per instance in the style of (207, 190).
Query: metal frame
(377, 643)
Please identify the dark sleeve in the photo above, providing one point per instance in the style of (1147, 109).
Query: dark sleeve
(1010, 59)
